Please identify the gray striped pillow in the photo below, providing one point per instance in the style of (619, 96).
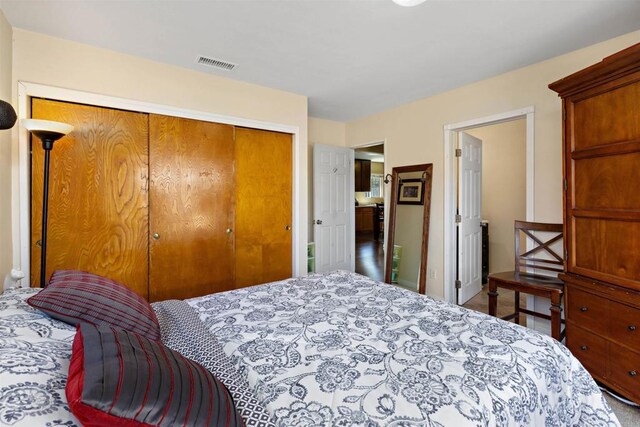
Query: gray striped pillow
(120, 378)
(77, 296)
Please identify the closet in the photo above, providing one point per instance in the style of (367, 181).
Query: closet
(171, 207)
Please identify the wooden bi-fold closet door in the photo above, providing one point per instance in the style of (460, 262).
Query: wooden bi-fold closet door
(170, 207)
(191, 193)
(263, 199)
(97, 194)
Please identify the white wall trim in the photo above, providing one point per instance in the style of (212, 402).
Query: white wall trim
(450, 140)
(27, 90)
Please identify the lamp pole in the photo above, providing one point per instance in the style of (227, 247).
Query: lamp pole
(47, 145)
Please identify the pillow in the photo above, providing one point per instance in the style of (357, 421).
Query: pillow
(119, 378)
(77, 296)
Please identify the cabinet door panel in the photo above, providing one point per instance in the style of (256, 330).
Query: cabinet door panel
(605, 182)
(357, 170)
(262, 206)
(607, 118)
(97, 194)
(606, 250)
(190, 208)
(366, 175)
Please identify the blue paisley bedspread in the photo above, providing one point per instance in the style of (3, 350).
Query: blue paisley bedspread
(34, 360)
(35, 351)
(342, 350)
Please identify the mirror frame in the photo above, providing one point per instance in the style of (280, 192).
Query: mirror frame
(427, 170)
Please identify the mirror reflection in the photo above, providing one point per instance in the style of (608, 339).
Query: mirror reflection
(370, 193)
(408, 236)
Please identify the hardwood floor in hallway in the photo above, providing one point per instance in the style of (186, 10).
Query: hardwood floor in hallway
(369, 256)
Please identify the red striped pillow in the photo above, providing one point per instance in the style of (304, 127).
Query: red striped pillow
(76, 296)
(119, 378)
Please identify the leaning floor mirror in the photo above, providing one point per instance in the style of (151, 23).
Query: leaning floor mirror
(408, 233)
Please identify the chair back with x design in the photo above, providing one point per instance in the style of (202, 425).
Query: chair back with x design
(532, 258)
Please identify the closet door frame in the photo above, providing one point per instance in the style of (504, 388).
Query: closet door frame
(21, 217)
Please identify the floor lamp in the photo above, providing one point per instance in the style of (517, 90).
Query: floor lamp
(48, 132)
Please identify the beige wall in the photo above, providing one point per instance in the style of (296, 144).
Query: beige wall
(327, 132)
(504, 185)
(56, 62)
(414, 132)
(6, 56)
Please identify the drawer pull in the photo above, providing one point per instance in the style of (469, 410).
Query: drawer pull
(584, 347)
(632, 373)
(584, 309)
(632, 328)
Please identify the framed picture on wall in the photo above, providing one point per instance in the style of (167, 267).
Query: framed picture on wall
(411, 192)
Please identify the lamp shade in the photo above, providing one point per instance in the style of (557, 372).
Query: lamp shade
(7, 115)
(46, 129)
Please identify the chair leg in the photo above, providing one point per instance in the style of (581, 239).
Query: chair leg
(556, 318)
(493, 298)
(517, 305)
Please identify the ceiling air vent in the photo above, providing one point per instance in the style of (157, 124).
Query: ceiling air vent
(216, 63)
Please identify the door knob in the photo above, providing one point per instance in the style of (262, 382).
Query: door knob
(287, 227)
(319, 221)
(156, 236)
(229, 231)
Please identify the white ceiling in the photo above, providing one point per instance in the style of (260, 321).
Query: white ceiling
(351, 58)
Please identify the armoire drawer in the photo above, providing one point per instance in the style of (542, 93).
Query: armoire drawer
(590, 349)
(624, 368)
(624, 325)
(588, 310)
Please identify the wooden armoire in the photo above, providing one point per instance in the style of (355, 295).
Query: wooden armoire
(601, 152)
(170, 207)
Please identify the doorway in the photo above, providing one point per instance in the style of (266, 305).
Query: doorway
(369, 195)
(524, 118)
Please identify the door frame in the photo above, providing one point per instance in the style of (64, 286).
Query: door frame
(21, 217)
(450, 189)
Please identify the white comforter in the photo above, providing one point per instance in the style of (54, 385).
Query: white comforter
(340, 349)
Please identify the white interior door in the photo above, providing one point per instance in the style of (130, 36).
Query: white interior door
(470, 211)
(333, 208)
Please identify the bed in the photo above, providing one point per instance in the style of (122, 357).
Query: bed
(333, 349)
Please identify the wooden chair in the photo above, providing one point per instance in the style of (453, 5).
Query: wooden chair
(522, 280)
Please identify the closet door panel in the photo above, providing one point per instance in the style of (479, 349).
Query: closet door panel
(97, 194)
(190, 208)
(263, 206)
